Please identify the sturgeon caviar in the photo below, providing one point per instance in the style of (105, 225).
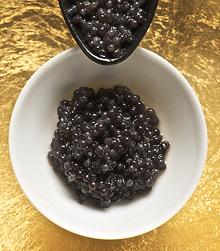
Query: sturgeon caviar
(107, 25)
(107, 145)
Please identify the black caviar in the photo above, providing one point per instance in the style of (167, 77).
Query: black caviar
(108, 25)
(107, 145)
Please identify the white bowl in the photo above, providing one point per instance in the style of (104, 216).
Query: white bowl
(181, 120)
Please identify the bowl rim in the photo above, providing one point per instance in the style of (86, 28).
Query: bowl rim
(130, 233)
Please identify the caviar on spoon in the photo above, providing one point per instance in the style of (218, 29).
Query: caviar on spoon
(108, 31)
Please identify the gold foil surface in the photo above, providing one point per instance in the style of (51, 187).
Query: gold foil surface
(185, 32)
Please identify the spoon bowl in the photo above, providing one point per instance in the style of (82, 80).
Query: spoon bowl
(150, 8)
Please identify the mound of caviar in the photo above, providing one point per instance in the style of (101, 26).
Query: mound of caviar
(107, 146)
(108, 25)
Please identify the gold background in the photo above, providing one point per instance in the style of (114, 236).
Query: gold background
(186, 32)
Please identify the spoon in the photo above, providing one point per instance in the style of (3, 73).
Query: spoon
(150, 8)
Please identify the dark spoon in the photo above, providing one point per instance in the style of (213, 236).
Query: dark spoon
(150, 8)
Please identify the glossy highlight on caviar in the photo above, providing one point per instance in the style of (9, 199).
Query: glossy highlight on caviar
(107, 146)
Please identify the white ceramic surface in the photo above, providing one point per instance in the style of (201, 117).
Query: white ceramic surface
(181, 120)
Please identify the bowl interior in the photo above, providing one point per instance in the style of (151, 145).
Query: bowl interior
(160, 86)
